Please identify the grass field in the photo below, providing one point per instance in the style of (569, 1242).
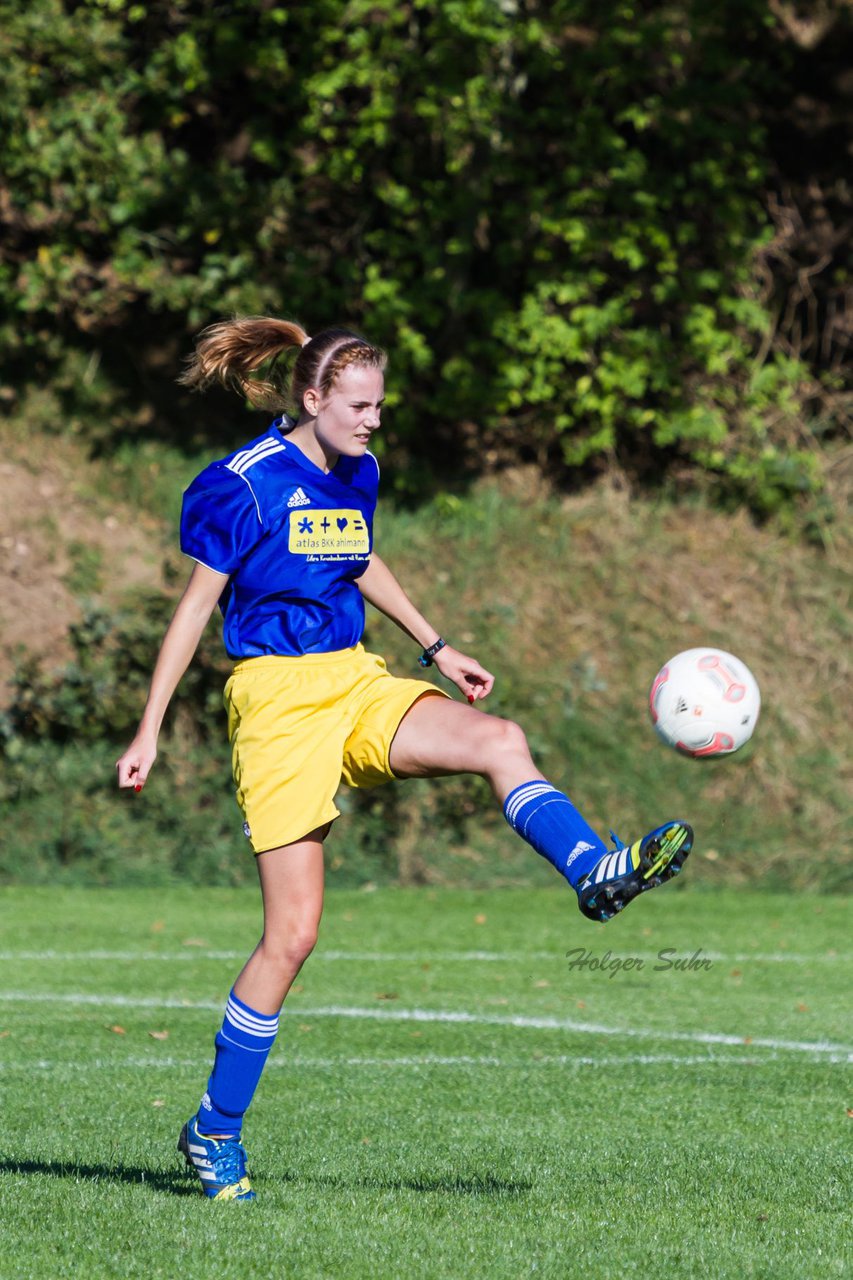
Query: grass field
(451, 1094)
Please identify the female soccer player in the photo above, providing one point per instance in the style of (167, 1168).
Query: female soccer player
(281, 533)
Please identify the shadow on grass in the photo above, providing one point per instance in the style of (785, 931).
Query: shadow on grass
(176, 1183)
(180, 1182)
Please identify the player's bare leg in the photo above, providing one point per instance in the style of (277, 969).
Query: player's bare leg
(439, 737)
(292, 886)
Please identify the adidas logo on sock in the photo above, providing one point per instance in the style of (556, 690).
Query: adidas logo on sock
(580, 847)
(299, 499)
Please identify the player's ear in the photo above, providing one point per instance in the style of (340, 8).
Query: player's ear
(311, 401)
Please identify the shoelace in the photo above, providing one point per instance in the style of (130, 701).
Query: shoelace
(618, 844)
(229, 1161)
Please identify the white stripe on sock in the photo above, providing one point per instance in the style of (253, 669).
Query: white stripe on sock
(527, 792)
(245, 1047)
(266, 1037)
(530, 788)
(264, 1025)
(264, 1028)
(263, 1019)
(520, 799)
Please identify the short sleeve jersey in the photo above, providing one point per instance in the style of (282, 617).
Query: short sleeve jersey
(293, 541)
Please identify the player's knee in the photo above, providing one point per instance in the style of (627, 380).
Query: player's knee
(505, 739)
(303, 942)
(287, 951)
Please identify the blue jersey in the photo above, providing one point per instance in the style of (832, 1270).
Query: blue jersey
(293, 541)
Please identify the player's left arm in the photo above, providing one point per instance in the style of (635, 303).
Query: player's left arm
(379, 586)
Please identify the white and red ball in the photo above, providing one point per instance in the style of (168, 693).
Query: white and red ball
(705, 702)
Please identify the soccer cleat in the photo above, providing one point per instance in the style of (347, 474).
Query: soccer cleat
(219, 1162)
(620, 875)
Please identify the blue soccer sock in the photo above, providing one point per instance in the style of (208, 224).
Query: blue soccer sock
(547, 820)
(242, 1047)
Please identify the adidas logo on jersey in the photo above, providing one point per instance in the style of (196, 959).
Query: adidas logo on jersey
(299, 499)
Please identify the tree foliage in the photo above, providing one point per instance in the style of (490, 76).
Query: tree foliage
(559, 217)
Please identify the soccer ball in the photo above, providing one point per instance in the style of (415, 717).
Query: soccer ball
(705, 702)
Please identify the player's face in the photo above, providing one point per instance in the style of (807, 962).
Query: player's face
(350, 414)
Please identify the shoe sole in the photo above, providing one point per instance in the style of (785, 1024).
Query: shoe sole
(662, 856)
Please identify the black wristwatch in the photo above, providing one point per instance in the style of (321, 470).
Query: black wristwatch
(425, 660)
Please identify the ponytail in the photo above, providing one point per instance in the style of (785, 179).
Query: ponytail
(230, 351)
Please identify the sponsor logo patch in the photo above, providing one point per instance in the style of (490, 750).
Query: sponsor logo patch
(321, 533)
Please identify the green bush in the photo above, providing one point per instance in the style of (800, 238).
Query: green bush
(65, 727)
(548, 215)
(101, 691)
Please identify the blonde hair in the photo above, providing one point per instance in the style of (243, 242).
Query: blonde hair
(232, 350)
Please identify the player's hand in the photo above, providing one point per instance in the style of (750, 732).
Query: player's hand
(468, 676)
(135, 765)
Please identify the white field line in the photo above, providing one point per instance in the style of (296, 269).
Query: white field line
(429, 957)
(815, 1048)
(426, 1060)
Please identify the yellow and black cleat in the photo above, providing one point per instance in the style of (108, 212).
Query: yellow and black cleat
(619, 876)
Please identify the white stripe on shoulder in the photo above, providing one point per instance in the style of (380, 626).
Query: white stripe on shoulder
(248, 457)
(243, 466)
(242, 455)
(375, 463)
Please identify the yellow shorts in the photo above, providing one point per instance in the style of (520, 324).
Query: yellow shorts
(299, 726)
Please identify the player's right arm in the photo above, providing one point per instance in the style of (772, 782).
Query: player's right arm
(179, 644)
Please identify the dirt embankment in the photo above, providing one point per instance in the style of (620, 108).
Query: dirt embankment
(61, 540)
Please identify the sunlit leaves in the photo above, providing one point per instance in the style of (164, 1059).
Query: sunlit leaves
(558, 209)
